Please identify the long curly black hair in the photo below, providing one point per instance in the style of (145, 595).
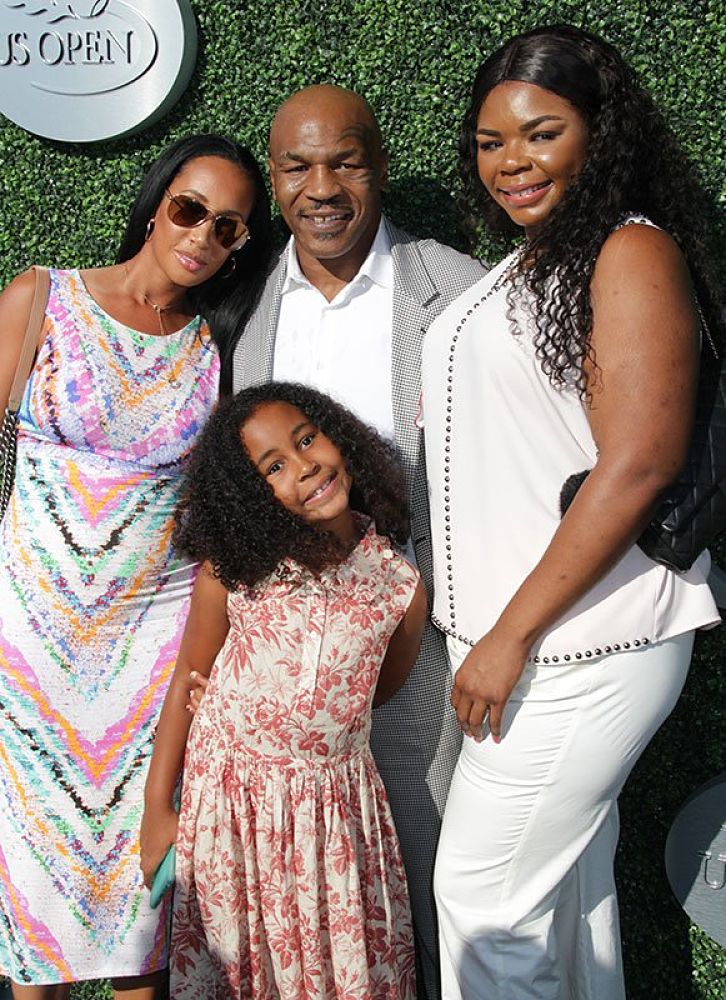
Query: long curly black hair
(229, 515)
(633, 164)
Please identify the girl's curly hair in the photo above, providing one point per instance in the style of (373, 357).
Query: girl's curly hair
(229, 515)
(633, 164)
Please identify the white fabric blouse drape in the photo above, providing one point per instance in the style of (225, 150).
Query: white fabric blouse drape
(500, 442)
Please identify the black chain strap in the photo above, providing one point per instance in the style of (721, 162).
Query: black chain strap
(8, 451)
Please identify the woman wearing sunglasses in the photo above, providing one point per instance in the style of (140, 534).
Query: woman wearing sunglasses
(92, 596)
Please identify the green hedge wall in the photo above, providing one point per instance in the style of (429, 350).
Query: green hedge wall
(65, 205)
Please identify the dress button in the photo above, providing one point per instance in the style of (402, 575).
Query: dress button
(626, 645)
(598, 652)
(578, 656)
(616, 647)
(555, 659)
(568, 657)
(636, 642)
(608, 649)
(546, 659)
(588, 652)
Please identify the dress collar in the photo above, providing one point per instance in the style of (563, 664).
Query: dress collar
(292, 574)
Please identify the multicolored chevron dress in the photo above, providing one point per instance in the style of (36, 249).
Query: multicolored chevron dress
(92, 606)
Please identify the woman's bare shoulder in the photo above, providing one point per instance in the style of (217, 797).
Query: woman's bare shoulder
(638, 253)
(17, 297)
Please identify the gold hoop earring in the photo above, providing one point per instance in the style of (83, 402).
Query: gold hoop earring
(149, 228)
(229, 267)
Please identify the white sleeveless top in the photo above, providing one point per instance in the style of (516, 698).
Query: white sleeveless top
(500, 442)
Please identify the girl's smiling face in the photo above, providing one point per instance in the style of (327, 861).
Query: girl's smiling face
(531, 144)
(305, 469)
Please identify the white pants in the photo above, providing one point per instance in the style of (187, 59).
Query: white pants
(524, 872)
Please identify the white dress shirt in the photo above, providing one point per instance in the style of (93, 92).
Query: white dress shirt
(341, 347)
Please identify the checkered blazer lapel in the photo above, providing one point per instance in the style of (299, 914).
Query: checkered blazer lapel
(413, 291)
(254, 353)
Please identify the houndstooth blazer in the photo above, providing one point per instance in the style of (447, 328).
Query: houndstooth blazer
(427, 276)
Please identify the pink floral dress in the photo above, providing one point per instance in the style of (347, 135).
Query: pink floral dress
(290, 883)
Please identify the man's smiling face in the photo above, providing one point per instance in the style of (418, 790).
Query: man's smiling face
(328, 170)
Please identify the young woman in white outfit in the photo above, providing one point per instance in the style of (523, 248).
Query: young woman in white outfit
(580, 351)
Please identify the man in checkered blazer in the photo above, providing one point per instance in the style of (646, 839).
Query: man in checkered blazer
(345, 309)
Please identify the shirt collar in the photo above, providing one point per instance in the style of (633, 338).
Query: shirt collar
(377, 267)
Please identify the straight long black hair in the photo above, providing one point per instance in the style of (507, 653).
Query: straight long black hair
(226, 300)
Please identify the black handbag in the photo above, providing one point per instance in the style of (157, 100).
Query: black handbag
(9, 426)
(692, 512)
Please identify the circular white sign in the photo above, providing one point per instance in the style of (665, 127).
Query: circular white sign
(85, 70)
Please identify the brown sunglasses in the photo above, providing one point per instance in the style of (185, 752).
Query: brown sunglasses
(230, 230)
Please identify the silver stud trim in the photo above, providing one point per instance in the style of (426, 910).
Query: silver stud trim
(496, 287)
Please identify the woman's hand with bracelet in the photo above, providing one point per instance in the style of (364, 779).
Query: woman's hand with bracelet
(484, 682)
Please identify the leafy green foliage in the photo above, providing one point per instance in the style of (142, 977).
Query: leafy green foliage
(66, 205)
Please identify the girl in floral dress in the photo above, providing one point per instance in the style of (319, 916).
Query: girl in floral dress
(289, 879)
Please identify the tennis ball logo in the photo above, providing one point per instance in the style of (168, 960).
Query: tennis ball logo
(53, 11)
(63, 41)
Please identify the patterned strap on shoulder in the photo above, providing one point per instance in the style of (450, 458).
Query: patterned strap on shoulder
(31, 338)
(634, 219)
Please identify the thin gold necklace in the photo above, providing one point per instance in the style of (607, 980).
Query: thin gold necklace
(159, 310)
